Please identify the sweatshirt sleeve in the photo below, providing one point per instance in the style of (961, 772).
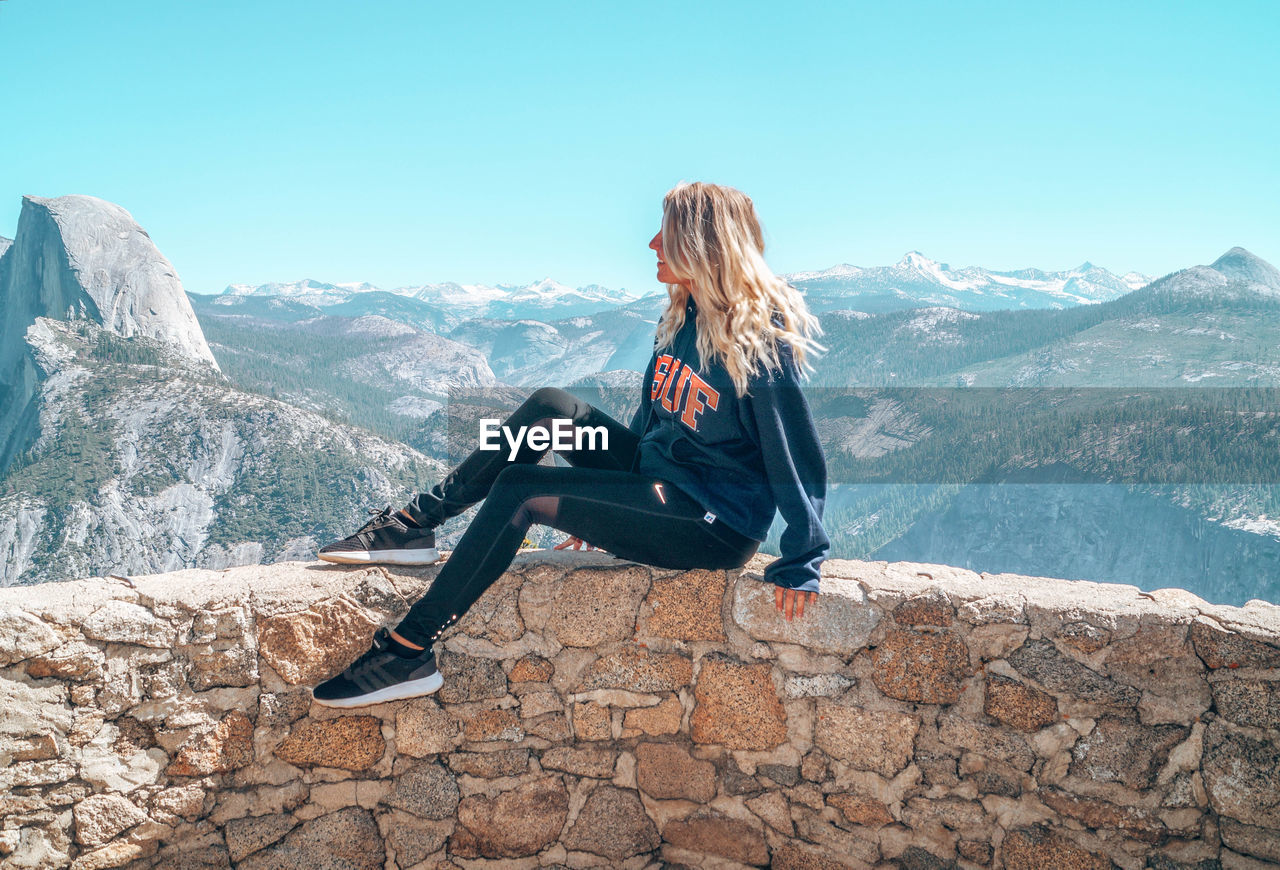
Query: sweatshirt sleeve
(797, 471)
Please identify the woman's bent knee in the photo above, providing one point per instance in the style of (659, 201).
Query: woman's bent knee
(539, 509)
(555, 401)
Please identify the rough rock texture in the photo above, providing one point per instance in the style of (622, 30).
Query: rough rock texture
(351, 742)
(960, 721)
(737, 705)
(613, 824)
(517, 822)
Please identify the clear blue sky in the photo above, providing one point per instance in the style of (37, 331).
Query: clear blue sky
(410, 142)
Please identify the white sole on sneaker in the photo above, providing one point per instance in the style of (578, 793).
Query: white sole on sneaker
(410, 689)
(428, 556)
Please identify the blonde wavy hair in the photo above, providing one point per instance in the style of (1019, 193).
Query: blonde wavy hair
(711, 237)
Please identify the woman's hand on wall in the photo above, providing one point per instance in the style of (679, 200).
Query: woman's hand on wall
(790, 602)
(576, 542)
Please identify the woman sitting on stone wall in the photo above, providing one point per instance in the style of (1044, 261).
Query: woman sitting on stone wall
(723, 439)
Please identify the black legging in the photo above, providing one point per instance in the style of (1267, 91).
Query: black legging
(632, 516)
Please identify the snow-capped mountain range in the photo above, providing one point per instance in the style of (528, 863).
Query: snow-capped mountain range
(917, 280)
(481, 300)
(913, 281)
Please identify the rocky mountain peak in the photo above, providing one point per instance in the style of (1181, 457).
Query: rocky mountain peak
(1236, 275)
(1241, 265)
(917, 260)
(80, 256)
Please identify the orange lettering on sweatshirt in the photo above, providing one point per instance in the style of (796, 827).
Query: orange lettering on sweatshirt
(671, 381)
(700, 397)
(661, 368)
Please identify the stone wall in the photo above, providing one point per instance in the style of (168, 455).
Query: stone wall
(600, 713)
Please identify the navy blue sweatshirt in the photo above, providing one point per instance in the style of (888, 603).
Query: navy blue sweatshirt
(741, 459)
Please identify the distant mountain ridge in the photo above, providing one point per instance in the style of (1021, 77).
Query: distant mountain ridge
(545, 298)
(917, 280)
(913, 281)
(1199, 324)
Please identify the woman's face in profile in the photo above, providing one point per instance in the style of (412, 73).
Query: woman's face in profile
(665, 274)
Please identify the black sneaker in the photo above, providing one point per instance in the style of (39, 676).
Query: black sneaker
(381, 674)
(385, 539)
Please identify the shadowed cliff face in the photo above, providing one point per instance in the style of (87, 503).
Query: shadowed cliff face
(596, 712)
(82, 258)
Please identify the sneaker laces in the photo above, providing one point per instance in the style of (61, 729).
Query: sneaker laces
(362, 665)
(382, 517)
